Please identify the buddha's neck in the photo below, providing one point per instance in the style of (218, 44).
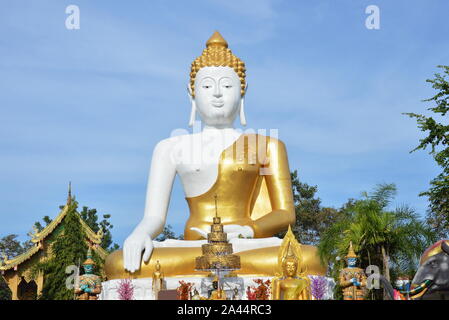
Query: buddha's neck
(223, 127)
(223, 132)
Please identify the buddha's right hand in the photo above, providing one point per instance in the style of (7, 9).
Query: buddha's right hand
(132, 250)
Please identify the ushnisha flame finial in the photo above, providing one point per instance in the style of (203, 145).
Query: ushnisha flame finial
(216, 40)
(217, 54)
(289, 254)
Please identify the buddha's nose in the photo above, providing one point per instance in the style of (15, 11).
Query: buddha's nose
(217, 92)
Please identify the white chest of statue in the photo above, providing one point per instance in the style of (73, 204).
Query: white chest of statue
(197, 156)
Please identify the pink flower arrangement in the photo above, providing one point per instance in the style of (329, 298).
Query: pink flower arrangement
(126, 290)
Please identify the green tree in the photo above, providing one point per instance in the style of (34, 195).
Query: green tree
(10, 247)
(438, 140)
(388, 238)
(311, 218)
(68, 248)
(90, 216)
(39, 227)
(168, 233)
(5, 293)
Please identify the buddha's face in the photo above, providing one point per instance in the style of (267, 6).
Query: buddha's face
(290, 268)
(217, 95)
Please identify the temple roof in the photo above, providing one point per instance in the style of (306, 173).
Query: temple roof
(38, 237)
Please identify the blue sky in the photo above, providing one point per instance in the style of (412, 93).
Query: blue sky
(89, 105)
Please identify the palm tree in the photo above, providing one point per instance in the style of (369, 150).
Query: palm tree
(393, 238)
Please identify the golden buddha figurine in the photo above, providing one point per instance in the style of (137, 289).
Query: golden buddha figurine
(217, 293)
(248, 171)
(292, 284)
(158, 280)
(353, 279)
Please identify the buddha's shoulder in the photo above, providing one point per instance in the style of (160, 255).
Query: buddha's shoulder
(173, 141)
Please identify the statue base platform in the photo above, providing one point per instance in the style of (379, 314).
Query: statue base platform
(258, 257)
(143, 286)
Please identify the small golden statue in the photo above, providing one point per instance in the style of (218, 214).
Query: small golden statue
(218, 293)
(292, 283)
(158, 280)
(89, 285)
(352, 279)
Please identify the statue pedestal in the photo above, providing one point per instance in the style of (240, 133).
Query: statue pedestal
(143, 287)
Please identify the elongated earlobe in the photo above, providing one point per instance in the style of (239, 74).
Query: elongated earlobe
(242, 112)
(192, 114)
(193, 111)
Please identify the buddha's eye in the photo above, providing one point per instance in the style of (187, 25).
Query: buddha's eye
(228, 86)
(206, 86)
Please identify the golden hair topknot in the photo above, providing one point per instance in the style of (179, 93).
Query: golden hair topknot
(217, 54)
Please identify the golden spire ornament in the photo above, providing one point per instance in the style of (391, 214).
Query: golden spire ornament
(216, 40)
(290, 248)
(89, 260)
(69, 195)
(351, 253)
(217, 54)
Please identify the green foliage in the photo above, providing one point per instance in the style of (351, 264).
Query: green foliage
(168, 233)
(438, 140)
(311, 218)
(11, 247)
(68, 248)
(379, 236)
(5, 293)
(39, 227)
(90, 216)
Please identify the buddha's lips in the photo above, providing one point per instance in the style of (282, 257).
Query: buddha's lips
(217, 104)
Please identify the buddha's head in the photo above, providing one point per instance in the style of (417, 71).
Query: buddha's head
(290, 261)
(217, 85)
(290, 267)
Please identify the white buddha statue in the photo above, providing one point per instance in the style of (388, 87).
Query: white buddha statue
(249, 173)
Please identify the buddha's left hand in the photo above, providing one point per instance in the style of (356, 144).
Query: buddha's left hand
(232, 230)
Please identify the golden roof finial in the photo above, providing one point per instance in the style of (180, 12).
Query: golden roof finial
(69, 196)
(216, 40)
(351, 253)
